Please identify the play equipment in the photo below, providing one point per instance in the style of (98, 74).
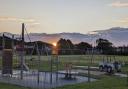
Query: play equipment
(24, 74)
(7, 62)
(20, 52)
(68, 68)
(69, 74)
(7, 58)
(110, 66)
(8, 55)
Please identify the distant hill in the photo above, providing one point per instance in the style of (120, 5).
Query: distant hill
(116, 35)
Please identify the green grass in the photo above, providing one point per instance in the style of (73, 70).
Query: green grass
(78, 60)
(106, 83)
(9, 86)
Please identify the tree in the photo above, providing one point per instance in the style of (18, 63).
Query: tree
(104, 45)
(83, 46)
(65, 46)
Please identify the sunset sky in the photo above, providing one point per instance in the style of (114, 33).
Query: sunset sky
(55, 16)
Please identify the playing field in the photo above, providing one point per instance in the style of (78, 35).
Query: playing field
(77, 60)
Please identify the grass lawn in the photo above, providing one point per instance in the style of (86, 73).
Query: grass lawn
(105, 83)
(9, 86)
(77, 60)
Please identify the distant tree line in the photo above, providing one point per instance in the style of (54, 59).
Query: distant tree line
(66, 47)
(103, 46)
(107, 47)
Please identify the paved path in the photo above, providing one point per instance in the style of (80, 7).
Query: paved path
(121, 75)
(94, 71)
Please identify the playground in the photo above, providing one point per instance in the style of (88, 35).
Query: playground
(42, 78)
(53, 70)
(36, 71)
(31, 76)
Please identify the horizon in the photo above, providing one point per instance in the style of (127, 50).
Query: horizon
(90, 32)
(58, 16)
(117, 35)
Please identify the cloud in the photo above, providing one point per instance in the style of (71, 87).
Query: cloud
(29, 22)
(36, 23)
(123, 21)
(93, 32)
(119, 4)
(16, 19)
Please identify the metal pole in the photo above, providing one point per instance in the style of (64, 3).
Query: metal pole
(51, 73)
(12, 43)
(57, 68)
(127, 78)
(88, 73)
(12, 50)
(3, 47)
(3, 42)
(90, 61)
(92, 55)
(38, 77)
(22, 51)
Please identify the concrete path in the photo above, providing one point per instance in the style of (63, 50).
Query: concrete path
(121, 75)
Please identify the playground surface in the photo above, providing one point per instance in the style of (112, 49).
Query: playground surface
(30, 79)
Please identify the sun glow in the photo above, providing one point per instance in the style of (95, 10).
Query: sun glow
(54, 44)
